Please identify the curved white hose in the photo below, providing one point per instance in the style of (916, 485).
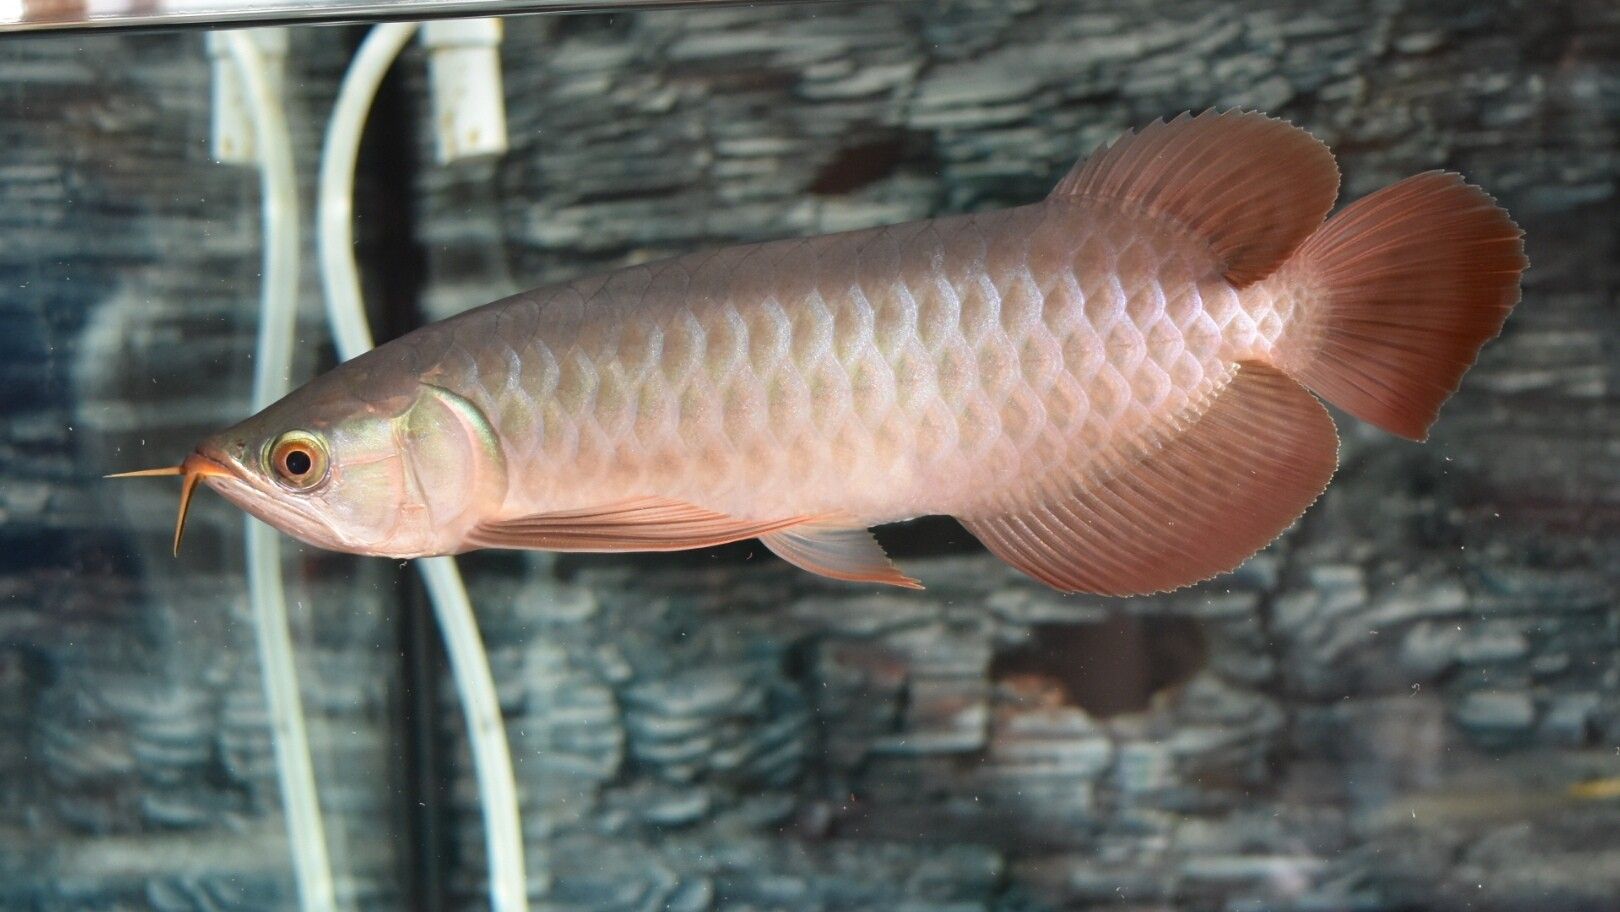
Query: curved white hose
(271, 366)
(492, 760)
(334, 207)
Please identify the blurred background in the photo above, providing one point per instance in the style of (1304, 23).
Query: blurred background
(1410, 702)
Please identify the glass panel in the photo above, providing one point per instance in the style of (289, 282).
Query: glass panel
(136, 752)
(1407, 702)
(54, 15)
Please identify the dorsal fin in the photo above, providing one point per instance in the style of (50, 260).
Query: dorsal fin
(1251, 186)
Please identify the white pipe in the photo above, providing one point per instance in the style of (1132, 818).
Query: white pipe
(469, 105)
(334, 207)
(271, 366)
(492, 760)
(234, 139)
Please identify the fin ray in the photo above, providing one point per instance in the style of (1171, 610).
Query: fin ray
(1407, 285)
(1211, 493)
(636, 524)
(1252, 187)
(839, 549)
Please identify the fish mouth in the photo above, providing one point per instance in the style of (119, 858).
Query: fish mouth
(194, 469)
(266, 501)
(226, 471)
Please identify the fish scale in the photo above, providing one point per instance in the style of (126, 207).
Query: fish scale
(875, 372)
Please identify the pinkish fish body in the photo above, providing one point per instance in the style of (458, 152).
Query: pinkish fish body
(1109, 387)
(926, 368)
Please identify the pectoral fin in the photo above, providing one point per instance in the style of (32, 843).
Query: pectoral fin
(840, 549)
(638, 524)
(1210, 491)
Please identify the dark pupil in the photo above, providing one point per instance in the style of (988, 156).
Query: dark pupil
(298, 462)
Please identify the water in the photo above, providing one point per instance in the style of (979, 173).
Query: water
(1408, 703)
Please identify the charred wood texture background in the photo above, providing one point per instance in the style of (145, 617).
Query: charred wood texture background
(1412, 701)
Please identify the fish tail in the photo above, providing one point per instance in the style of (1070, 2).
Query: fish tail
(1401, 289)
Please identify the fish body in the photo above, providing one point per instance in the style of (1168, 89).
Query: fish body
(1108, 387)
(926, 368)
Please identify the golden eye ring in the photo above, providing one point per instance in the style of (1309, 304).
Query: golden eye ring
(298, 460)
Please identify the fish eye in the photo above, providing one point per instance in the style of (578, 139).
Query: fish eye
(298, 459)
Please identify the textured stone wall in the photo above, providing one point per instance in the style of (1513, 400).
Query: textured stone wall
(1404, 704)
(1386, 710)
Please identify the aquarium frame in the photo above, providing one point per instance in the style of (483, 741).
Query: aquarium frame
(34, 16)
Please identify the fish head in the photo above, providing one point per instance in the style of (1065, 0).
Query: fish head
(404, 474)
(402, 471)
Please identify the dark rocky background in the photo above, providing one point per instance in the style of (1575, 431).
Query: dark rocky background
(1411, 702)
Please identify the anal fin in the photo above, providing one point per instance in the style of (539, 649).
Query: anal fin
(1197, 503)
(839, 549)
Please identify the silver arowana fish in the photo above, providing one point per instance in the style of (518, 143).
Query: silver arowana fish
(1111, 388)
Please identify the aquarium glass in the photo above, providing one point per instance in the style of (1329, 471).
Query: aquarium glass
(1410, 701)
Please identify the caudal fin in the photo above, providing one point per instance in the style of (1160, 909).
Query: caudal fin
(1404, 287)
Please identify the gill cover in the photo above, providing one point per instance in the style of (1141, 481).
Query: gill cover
(454, 466)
